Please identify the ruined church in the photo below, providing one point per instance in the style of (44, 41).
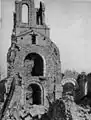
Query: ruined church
(34, 78)
(33, 60)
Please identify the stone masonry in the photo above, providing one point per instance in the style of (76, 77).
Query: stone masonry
(34, 78)
(33, 61)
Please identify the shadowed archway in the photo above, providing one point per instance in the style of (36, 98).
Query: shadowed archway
(36, 93)
(38, 67)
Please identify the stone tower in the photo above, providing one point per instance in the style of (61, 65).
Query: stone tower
(33, 59)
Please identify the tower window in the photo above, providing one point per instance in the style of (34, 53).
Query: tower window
(34, 64)
(33, 95)
(24, 13)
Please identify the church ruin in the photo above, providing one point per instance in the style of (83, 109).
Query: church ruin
(34, 77)
(33, 60)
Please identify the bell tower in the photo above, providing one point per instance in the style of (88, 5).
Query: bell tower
(33, 59)
(26, 17)
(19, 6)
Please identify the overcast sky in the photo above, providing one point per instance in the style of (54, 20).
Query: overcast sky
(70, 29)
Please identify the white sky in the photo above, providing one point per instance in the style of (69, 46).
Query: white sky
(70, 23)
(0, 13)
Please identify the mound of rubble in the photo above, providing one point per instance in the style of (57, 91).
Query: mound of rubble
(76, 111)
(61, 109)
(67, 109)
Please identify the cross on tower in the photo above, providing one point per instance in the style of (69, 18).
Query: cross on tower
(33, 37)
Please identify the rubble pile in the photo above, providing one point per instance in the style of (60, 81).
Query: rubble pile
(22, 113)
(77, 112)
(56, 111)
(64, 108)
(67, 109)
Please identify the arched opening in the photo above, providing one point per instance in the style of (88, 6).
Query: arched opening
(34, 64)
(68, 88)
(24, 13)
(35, 93)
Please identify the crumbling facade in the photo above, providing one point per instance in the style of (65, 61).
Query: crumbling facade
(34, 67)
(34, 78)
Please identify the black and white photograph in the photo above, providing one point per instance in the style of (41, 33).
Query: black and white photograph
(45, 61)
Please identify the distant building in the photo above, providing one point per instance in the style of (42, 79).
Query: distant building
(81, 91)
(88, 89)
